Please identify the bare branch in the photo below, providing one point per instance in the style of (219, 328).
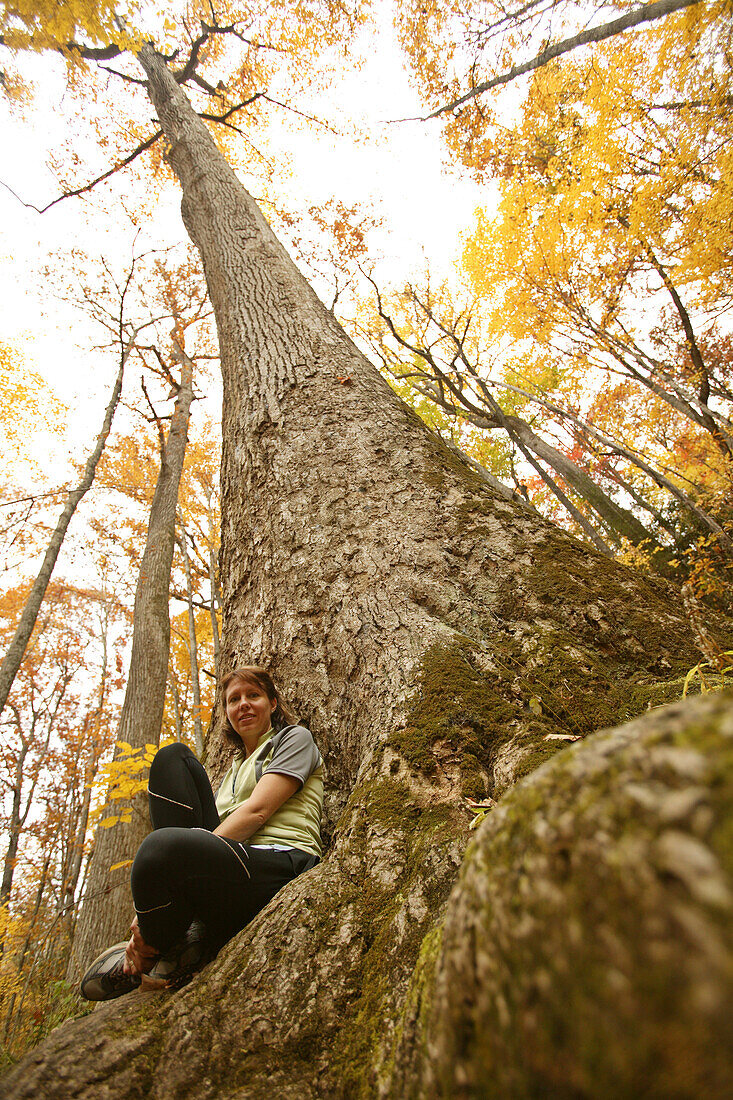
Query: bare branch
(123, 76)
(645, 14)
(302, 114)
(147, 144)
(32, 499)
(222, 119)
(155, 418)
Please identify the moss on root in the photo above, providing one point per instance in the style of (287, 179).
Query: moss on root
(472, 700)
(459, 705)
(428, 837)
(587, 949)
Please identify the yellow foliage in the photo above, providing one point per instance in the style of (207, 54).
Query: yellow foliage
(613, 233)
(30, 24)
(125, 777)
(26, 403)
(613, 161)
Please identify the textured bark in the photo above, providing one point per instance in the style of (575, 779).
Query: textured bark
(587, 949)
(107, 907)
(434, 635)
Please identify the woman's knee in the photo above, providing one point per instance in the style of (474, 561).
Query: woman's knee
(165, 756)
(167, 760)
(160, 849)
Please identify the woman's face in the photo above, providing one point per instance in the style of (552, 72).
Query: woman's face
(248, 709)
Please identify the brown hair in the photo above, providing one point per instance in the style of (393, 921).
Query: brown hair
(282, 715)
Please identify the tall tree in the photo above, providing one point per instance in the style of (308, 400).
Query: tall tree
(443, 641)
(107, 898)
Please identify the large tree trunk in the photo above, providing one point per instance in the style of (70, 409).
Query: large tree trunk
(441, 641)
(107, 907)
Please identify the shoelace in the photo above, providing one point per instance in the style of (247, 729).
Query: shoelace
(117, 978)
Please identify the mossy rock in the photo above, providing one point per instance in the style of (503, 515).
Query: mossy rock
(587, 948)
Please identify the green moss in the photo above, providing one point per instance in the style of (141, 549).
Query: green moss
(473, 777)
(447, 461)
(391, 944)
(458, 704)
(415, 1012)
(471, 700)
(390, 802)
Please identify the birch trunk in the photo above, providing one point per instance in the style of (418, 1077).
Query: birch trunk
(441, 641)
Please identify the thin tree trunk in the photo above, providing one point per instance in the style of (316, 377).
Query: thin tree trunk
(68, 895)
(575, 513)
(14, 826)
(644, 504)
(192, 647)
(105, 912)
(619, 520)
(722, 439)
(176, 700)
(16, 650)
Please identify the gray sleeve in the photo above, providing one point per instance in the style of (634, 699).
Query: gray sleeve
(296, 755)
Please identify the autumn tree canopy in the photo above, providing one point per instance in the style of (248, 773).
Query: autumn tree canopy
(443, 638)
(591, 331)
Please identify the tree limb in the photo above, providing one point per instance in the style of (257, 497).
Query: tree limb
(645, 14)
(147, 144)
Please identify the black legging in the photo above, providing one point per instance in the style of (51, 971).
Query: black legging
(182, 872)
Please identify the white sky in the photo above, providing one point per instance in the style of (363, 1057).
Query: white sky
(401, 176)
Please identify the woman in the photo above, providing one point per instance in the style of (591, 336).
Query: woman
(212, 864)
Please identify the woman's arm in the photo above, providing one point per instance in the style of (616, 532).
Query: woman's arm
(269, 795)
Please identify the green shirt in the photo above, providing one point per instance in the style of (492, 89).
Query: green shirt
(297, 823)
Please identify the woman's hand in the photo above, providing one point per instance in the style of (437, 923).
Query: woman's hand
(139, 956)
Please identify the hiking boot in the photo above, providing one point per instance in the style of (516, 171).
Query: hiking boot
(106, 978)
(177, 966)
